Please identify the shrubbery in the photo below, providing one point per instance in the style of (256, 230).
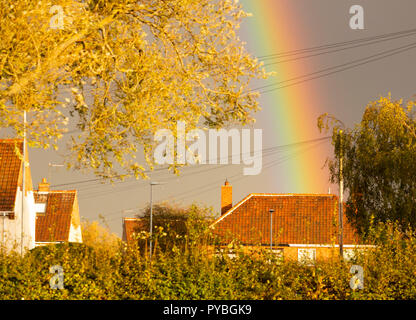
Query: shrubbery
(196, 272)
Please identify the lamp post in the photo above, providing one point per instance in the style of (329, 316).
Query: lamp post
(271, 228)
(152, 183)
(341, 193)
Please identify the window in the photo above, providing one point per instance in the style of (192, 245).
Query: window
(40, 208)
(307, 256)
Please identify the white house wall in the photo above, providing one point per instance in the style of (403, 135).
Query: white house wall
(75, 234)
(11, 229)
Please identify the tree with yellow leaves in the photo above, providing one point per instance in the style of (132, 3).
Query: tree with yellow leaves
(100, 238)
(121, 70)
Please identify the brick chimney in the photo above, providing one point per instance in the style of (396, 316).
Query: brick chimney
(43, 186)
(226, 197)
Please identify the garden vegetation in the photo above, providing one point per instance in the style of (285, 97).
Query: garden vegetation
(192, 267)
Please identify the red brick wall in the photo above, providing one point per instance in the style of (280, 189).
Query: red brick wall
(226, 197)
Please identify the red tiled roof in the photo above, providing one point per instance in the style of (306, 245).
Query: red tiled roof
(298, 219)
(131, 226)
(10, 165)
(55, 223)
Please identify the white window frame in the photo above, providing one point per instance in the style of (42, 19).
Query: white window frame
(40, 208)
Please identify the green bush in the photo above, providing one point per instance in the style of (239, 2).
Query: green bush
(194, 272)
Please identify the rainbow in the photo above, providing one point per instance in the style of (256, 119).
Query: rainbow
(276, 27)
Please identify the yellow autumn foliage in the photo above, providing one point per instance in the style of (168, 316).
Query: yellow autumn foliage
(119, 71)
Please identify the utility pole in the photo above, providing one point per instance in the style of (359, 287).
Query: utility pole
(151, 215)
(23, 180)
(271, 229)
(2, 231)
(341, 192)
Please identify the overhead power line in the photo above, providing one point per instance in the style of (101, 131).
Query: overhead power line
(336, 69)
(335, 45)
(190, 172)
(99, 179)
(236, 177)
(337, 50)
(364, 41)
(164, 168)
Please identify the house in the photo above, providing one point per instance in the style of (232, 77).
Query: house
(131, 226)
(301, 226)
(17, 228)
(48, 216)
(57, 216)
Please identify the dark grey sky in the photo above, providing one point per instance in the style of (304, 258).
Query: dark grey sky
(344, 94)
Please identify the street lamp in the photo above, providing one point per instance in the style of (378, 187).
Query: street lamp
(271, 228)
(152, 183)
(341, 193)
